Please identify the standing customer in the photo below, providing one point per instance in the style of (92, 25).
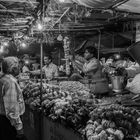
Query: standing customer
(11, 101)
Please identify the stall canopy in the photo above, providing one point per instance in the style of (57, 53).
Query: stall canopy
(98, 3)
(131, 6)
(125, 5)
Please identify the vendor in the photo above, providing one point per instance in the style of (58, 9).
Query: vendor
(25, 68)
(93, 71)
(50, 70)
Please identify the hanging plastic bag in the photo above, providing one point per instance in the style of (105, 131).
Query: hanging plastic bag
(133, 85)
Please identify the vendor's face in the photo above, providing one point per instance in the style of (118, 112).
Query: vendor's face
(87, 55)
(47, 60)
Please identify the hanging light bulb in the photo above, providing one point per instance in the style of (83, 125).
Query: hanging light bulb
(5, 43)
(39, 26)
(23, 45)
(27, 62)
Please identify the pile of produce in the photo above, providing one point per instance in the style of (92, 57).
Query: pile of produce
(75, 88)
(72, 113)
(113, 122)
(31, 93)
(61, 106)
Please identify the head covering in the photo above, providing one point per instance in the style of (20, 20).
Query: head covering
(9, 63)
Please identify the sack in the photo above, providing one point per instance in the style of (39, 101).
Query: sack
(134, 85)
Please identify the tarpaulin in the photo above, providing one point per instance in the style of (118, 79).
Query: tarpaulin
(131, 6)
(97, 3)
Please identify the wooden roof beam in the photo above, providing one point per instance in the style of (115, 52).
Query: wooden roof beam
(20, 1)
(3, 7)
(8, 29)
(11, 11)
(14, 26)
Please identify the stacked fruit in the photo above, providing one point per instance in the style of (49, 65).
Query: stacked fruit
(31, 94)
(113, 122)
(75, 88)
(59, 105)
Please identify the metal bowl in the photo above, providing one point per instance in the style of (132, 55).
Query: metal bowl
(117, 83)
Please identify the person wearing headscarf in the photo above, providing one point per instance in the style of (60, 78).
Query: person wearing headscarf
(11, 101)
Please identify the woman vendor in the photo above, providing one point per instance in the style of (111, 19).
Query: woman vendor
(93, 72)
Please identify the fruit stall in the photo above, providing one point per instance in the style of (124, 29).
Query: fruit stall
(65, 107)
(69, 110)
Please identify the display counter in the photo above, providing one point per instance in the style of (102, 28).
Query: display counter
(32, 123)
(70, 112)
(56, 131)
(40, 127)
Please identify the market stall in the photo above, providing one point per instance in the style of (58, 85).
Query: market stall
(70, 105)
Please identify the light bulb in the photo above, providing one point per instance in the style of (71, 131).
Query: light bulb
(23, 45)
(26, 62)
(5, 43)
(39, 26)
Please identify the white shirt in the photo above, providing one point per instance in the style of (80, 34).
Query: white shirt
(50, 71)
(25, 69)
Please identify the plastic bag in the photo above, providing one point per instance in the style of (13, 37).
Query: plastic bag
(134, 85)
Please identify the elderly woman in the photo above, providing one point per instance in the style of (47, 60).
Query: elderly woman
(11, 101)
